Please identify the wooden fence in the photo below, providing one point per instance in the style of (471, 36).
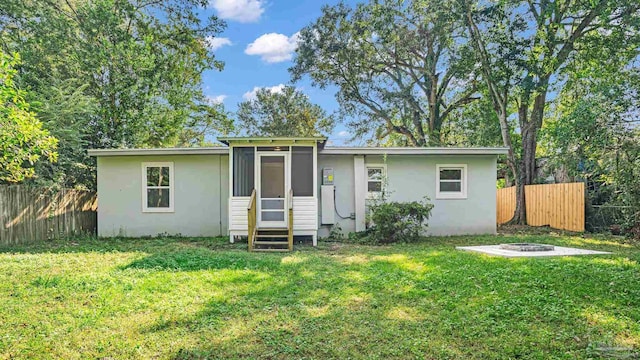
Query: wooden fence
(560, 206)
(28, 215)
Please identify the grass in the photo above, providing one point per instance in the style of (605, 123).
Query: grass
(204, 298)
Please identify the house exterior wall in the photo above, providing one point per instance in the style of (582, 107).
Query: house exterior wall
(344, 190)
(201, 193)
(411, 177)
(200, 197)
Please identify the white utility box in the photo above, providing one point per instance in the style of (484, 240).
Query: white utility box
(328, 204)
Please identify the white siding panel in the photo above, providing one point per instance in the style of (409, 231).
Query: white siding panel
(238, 213)
(305, 213)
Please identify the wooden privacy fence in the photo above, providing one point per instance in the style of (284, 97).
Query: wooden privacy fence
(28, 215)
(506, 204)
(560, 206)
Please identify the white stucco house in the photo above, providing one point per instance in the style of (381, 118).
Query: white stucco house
(297, 186)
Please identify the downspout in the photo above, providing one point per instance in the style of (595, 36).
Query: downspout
(360, 192)
(220, 193)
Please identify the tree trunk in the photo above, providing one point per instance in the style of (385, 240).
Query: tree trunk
(434, 137)
(529, 128)
(526, 174)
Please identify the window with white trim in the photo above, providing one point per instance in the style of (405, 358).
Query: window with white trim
(375, 181)
(451, 181)
(157, 187)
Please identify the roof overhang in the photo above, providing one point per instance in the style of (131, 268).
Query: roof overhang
(334, 150)
(327, 150)
(219, 150)
(320, 140)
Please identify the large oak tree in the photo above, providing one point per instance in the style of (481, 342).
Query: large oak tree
(399, 66)
(524, 47)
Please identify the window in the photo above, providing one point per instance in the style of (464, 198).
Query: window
(157, 187)
(375, 181)
(302, 170)
(451, 182)
(243, 170)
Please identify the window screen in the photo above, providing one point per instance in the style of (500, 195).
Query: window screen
(158, 186)
(302, 170)
(243, 169)
(375, 177)
(157, 178)
(451, 182)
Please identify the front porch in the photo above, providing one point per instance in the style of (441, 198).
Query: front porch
(273, 191)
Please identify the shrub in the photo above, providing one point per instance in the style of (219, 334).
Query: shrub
(335, 235)
(396, 221)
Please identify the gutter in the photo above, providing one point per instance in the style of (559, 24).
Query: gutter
(331, 150)
(220, 150)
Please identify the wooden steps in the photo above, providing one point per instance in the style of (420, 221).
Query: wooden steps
(271, 240)
(258, 242)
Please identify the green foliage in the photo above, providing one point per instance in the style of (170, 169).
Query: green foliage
(335, 234)
(109, 74)
(65, 110)
(23, 141)
(593, 136)
(530, 52)
(283, 113)
(394, 63)
(398, 221)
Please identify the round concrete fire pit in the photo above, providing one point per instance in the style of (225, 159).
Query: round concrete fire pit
(526, 247)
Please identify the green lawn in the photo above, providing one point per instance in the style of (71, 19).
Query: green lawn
(204, 298)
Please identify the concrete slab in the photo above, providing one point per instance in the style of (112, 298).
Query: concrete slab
(557, 251)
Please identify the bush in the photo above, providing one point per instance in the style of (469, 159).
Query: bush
(396, 221)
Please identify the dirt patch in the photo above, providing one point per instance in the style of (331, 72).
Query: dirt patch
(533, 230)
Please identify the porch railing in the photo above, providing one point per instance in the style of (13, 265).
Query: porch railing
(290, 225)
(251, 219)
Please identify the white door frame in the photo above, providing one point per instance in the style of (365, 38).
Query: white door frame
(285, 156)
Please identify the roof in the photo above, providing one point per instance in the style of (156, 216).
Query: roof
(335, 150)
(328, 150)
(226, 140)
(216, 150)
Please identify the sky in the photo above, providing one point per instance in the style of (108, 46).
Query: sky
(257, 48)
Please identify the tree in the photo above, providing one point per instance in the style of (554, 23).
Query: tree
(400, 66)
(135, 65)
(524, 58)
(23, 142)
(593, 135)
(283, 113)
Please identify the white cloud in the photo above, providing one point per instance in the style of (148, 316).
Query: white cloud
(344, 134)
(250, 95)
(218, 99)
(215, 43)
(244, 11)
(274, 47)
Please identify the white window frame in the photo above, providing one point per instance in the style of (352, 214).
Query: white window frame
(375, 195)
(171, 187)
(462, 194)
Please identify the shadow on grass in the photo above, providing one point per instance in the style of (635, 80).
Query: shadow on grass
(200, 258)
(429, 305)
(105, 245)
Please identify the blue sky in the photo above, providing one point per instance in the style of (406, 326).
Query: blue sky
(257, 48)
